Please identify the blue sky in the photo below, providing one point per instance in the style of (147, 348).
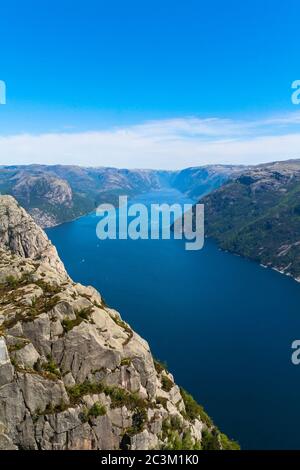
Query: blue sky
(149, 83)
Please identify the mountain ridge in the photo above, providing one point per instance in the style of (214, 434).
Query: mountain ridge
(59, 193)
(257, 215)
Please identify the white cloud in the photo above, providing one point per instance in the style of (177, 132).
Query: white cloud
(168, 144)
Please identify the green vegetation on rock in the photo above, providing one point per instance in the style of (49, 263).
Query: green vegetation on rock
(193, 409)
(258, 216)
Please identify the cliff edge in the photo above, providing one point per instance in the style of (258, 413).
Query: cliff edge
(73, 374)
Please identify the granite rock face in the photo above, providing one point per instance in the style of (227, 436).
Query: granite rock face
(73, 374)
(22, 237)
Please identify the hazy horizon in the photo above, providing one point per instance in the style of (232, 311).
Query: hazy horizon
(143, 169)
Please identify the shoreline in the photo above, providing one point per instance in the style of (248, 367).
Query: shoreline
(209, 238)
(65, 221)
(254, 261)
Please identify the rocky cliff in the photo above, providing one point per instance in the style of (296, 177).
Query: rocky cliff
(257, 215)
(197, 182)
(59, 193)
(73, 374)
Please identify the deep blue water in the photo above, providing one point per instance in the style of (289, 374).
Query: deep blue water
(223, 324)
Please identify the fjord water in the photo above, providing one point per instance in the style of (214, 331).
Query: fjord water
(223, 324)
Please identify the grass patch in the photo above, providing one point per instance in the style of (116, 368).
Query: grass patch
(125, 327)
(126, 361)
(119, 396)
(51, 367)
(17, 346)
(166, 383)
(194, 410)
(81, 315)
(228, 444)
(139, 420)
(159, 366)
(48, 288)
(50, 409)
(44, 303)
(12, 283)
(210, 440)
(98, 409)
(175, 438)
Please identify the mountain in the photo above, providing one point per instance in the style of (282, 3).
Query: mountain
(196, 182)
(59, 193)
(56, 194)
(257, 215)
(73, 374)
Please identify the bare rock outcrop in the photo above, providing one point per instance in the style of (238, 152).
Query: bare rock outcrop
(73, 374)
(21, 236)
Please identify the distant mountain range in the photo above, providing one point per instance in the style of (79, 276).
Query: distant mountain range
(253, 211)
(59, 193)
(257, 215)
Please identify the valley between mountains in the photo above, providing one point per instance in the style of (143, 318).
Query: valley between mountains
(253, 211)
